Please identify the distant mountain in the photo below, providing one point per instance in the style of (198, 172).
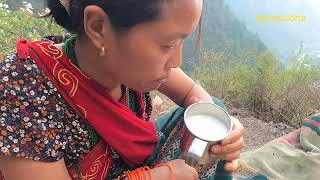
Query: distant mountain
(222, 30)
(281, 37)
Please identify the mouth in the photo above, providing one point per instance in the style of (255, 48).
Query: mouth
(162, 80)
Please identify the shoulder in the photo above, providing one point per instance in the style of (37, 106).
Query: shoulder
(21, 76)
(29, 114)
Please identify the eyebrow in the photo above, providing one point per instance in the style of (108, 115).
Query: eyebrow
(177, 35)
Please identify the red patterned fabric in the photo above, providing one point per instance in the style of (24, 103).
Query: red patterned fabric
(132, 137)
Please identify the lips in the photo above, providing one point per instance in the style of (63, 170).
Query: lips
(162, 80)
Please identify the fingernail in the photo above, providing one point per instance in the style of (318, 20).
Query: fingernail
(227, 141)
(193, 98)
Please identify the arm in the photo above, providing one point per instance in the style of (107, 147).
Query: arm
(180, 88)
(26, 139)
(175, 169)
(17, 168)
(158, 173)
(184, 91)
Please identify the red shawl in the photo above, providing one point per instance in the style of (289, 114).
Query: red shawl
(130, 136)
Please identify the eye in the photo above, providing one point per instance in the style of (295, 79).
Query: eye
(169, 46)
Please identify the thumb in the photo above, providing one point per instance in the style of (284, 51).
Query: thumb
(232, 166)
(191, 101)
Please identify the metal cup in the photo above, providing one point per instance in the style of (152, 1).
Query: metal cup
(206, 124)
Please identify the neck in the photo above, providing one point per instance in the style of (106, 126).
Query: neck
(92, 65)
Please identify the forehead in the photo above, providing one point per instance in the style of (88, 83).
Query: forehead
(182, 14)
(182, 7)
(178, 16)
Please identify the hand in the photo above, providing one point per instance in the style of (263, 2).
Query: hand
(230, 148)
(180, 170)
(191, 100)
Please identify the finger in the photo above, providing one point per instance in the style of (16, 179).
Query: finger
(178, 160)
(229, 157)
(193, 100)
(194, 172)
(237, 132)
(232, 166)
(229, 148)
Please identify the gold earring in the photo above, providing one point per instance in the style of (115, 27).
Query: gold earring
(102, 51)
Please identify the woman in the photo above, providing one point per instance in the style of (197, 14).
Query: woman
(78, 111)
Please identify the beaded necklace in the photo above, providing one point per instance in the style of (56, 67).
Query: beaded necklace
(68, 49)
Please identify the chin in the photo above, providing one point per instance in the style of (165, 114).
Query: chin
(146, 87)
(142, 89)
(149, 87)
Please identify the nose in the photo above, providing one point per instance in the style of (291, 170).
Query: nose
(175, 60)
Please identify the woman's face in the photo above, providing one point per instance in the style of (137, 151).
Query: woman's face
(143, 57)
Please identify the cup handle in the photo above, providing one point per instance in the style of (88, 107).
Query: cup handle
(195, 152)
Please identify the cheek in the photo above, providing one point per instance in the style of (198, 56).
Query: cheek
(141, 63)
(142, 69)
(147, 60)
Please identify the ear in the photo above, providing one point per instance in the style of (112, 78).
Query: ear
(97, 25)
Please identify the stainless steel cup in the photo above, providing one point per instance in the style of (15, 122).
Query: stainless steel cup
(197, 138)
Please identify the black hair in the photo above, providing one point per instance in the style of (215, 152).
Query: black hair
(123, 14)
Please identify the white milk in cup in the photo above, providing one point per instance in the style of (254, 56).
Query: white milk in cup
(206, 124)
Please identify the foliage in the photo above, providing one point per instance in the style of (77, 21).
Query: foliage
(20, 23)
(37, 5)
(257, 81)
